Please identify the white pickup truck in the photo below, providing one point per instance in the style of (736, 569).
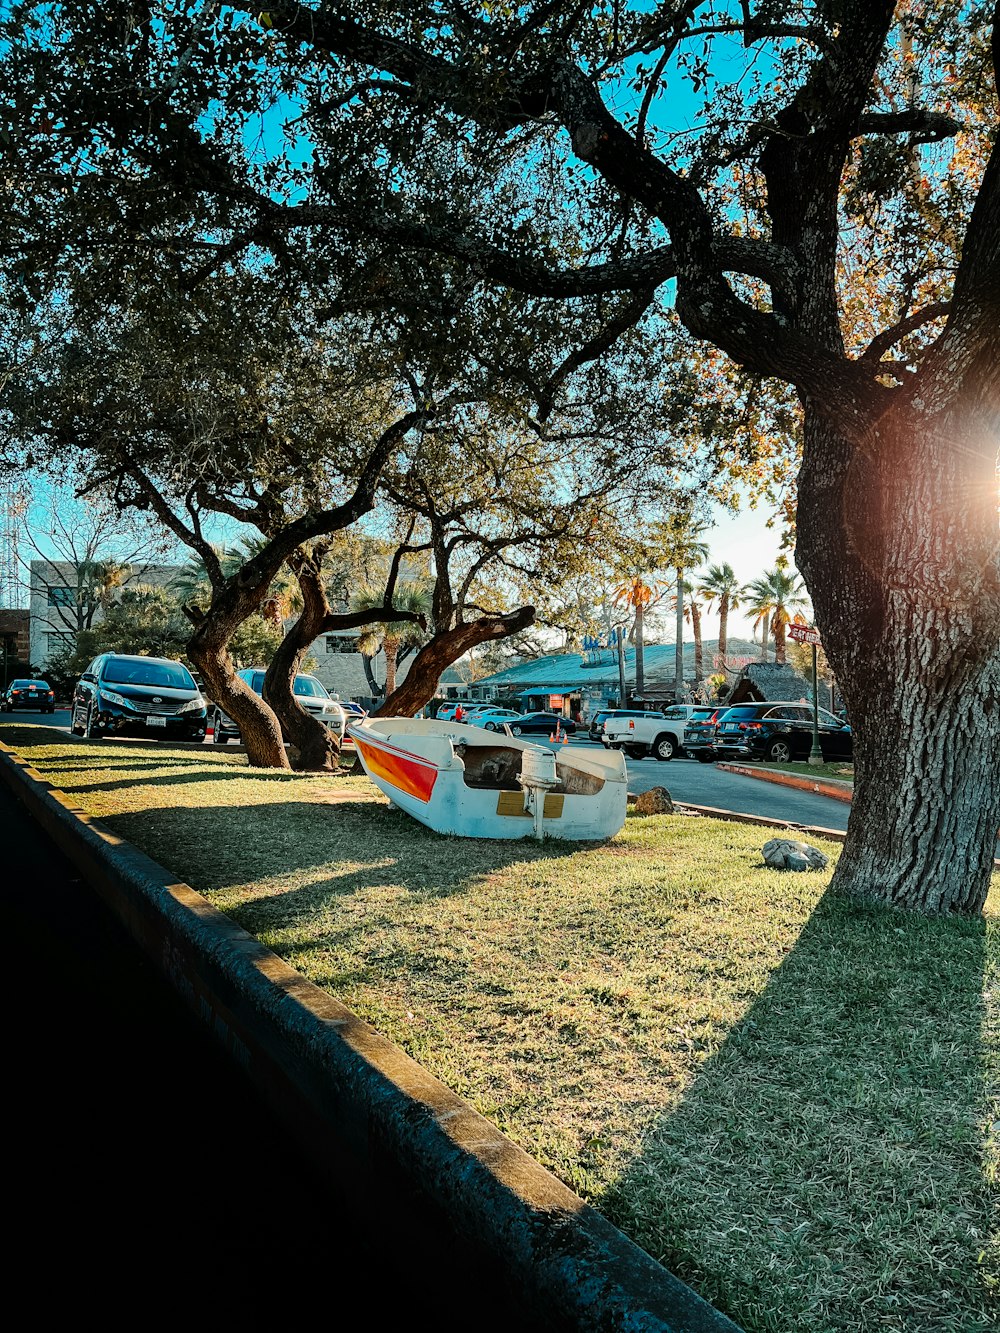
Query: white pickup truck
(660, 734)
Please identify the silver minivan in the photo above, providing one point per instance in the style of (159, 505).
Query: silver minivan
(310, 692)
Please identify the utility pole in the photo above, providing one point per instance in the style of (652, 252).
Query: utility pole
(620, 639)
(806, 634)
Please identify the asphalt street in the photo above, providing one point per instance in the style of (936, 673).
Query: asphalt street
(685, 779)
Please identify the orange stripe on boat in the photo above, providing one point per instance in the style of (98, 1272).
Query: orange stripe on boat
(409, 775)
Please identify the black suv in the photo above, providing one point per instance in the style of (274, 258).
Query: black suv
(699, 735)
(779, 732)
(596, 729)
(154, 697)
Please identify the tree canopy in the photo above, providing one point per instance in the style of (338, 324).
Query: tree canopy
(793, 207)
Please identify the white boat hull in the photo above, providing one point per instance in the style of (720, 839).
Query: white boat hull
(463, 781)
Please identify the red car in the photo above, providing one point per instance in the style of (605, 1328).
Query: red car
(23, 694)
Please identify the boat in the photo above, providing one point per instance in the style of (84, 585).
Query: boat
(472, 783)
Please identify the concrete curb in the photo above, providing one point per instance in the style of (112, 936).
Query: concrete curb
(372, 1117)
(839, 791)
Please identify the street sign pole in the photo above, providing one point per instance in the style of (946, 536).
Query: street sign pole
(815, 754)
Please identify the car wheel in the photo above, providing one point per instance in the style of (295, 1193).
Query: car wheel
(515, 731)
(74, 726)
(90, 729)
(217, 735)
(665, 747)
(491, 726)
(779, 752)
(705, 757)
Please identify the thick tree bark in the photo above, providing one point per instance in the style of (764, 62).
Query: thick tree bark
(315, 748)
(259, 729)
(897, 541)
(699, 652)
(444, 649)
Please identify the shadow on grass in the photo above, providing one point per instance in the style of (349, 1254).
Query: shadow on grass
(825, 1170)
(288, 841)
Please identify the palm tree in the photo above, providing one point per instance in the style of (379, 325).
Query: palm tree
(720, 584)
(692, 612)
(637, 594)
(685, 552)
(773, 600)
(393, 636)
(191, 583)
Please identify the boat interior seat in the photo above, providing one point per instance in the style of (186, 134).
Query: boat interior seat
(498, 768)
(495, 766)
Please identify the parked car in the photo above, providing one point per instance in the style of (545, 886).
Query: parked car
(446, 713)
(22, 694)
(354, 713)
(595, 730)
(119, 695)
(699, 736)
(495, 719)
(311, 693)
(780, 732)
(659, 734)
(532, 724)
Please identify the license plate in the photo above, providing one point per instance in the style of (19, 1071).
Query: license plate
(156, 721)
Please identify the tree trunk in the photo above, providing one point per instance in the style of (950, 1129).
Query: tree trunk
(723, 628)
(208, 649)
(779, 641)
(679, 650)
(763, 640)
(259, 729)
(391, 649)
(368, 662)
(897, 542)
(441, 651)
(315, 748)
(699, 655)
(640, 661)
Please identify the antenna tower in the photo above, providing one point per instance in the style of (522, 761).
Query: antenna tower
(13, 505)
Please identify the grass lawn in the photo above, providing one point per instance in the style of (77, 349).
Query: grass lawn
(781, 1096)
(841, 771)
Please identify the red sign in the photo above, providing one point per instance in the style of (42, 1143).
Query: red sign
(804, 634)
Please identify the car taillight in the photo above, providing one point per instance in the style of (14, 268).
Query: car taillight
(753, 726)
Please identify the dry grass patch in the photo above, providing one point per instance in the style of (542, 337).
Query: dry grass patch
(781, 1096)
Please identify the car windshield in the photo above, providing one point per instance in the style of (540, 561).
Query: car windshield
(29, 684)
(169, 675)
(308, 685)
(740, 714)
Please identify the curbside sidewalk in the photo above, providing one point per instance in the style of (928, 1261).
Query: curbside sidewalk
(840, 791)
(373, 1119)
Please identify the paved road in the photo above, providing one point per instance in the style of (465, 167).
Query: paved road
(685, 779)
(142, 1170)
(706, 784)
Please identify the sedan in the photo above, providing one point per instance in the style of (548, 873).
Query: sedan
(29, 694)
(494, 719)
(532, 724)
